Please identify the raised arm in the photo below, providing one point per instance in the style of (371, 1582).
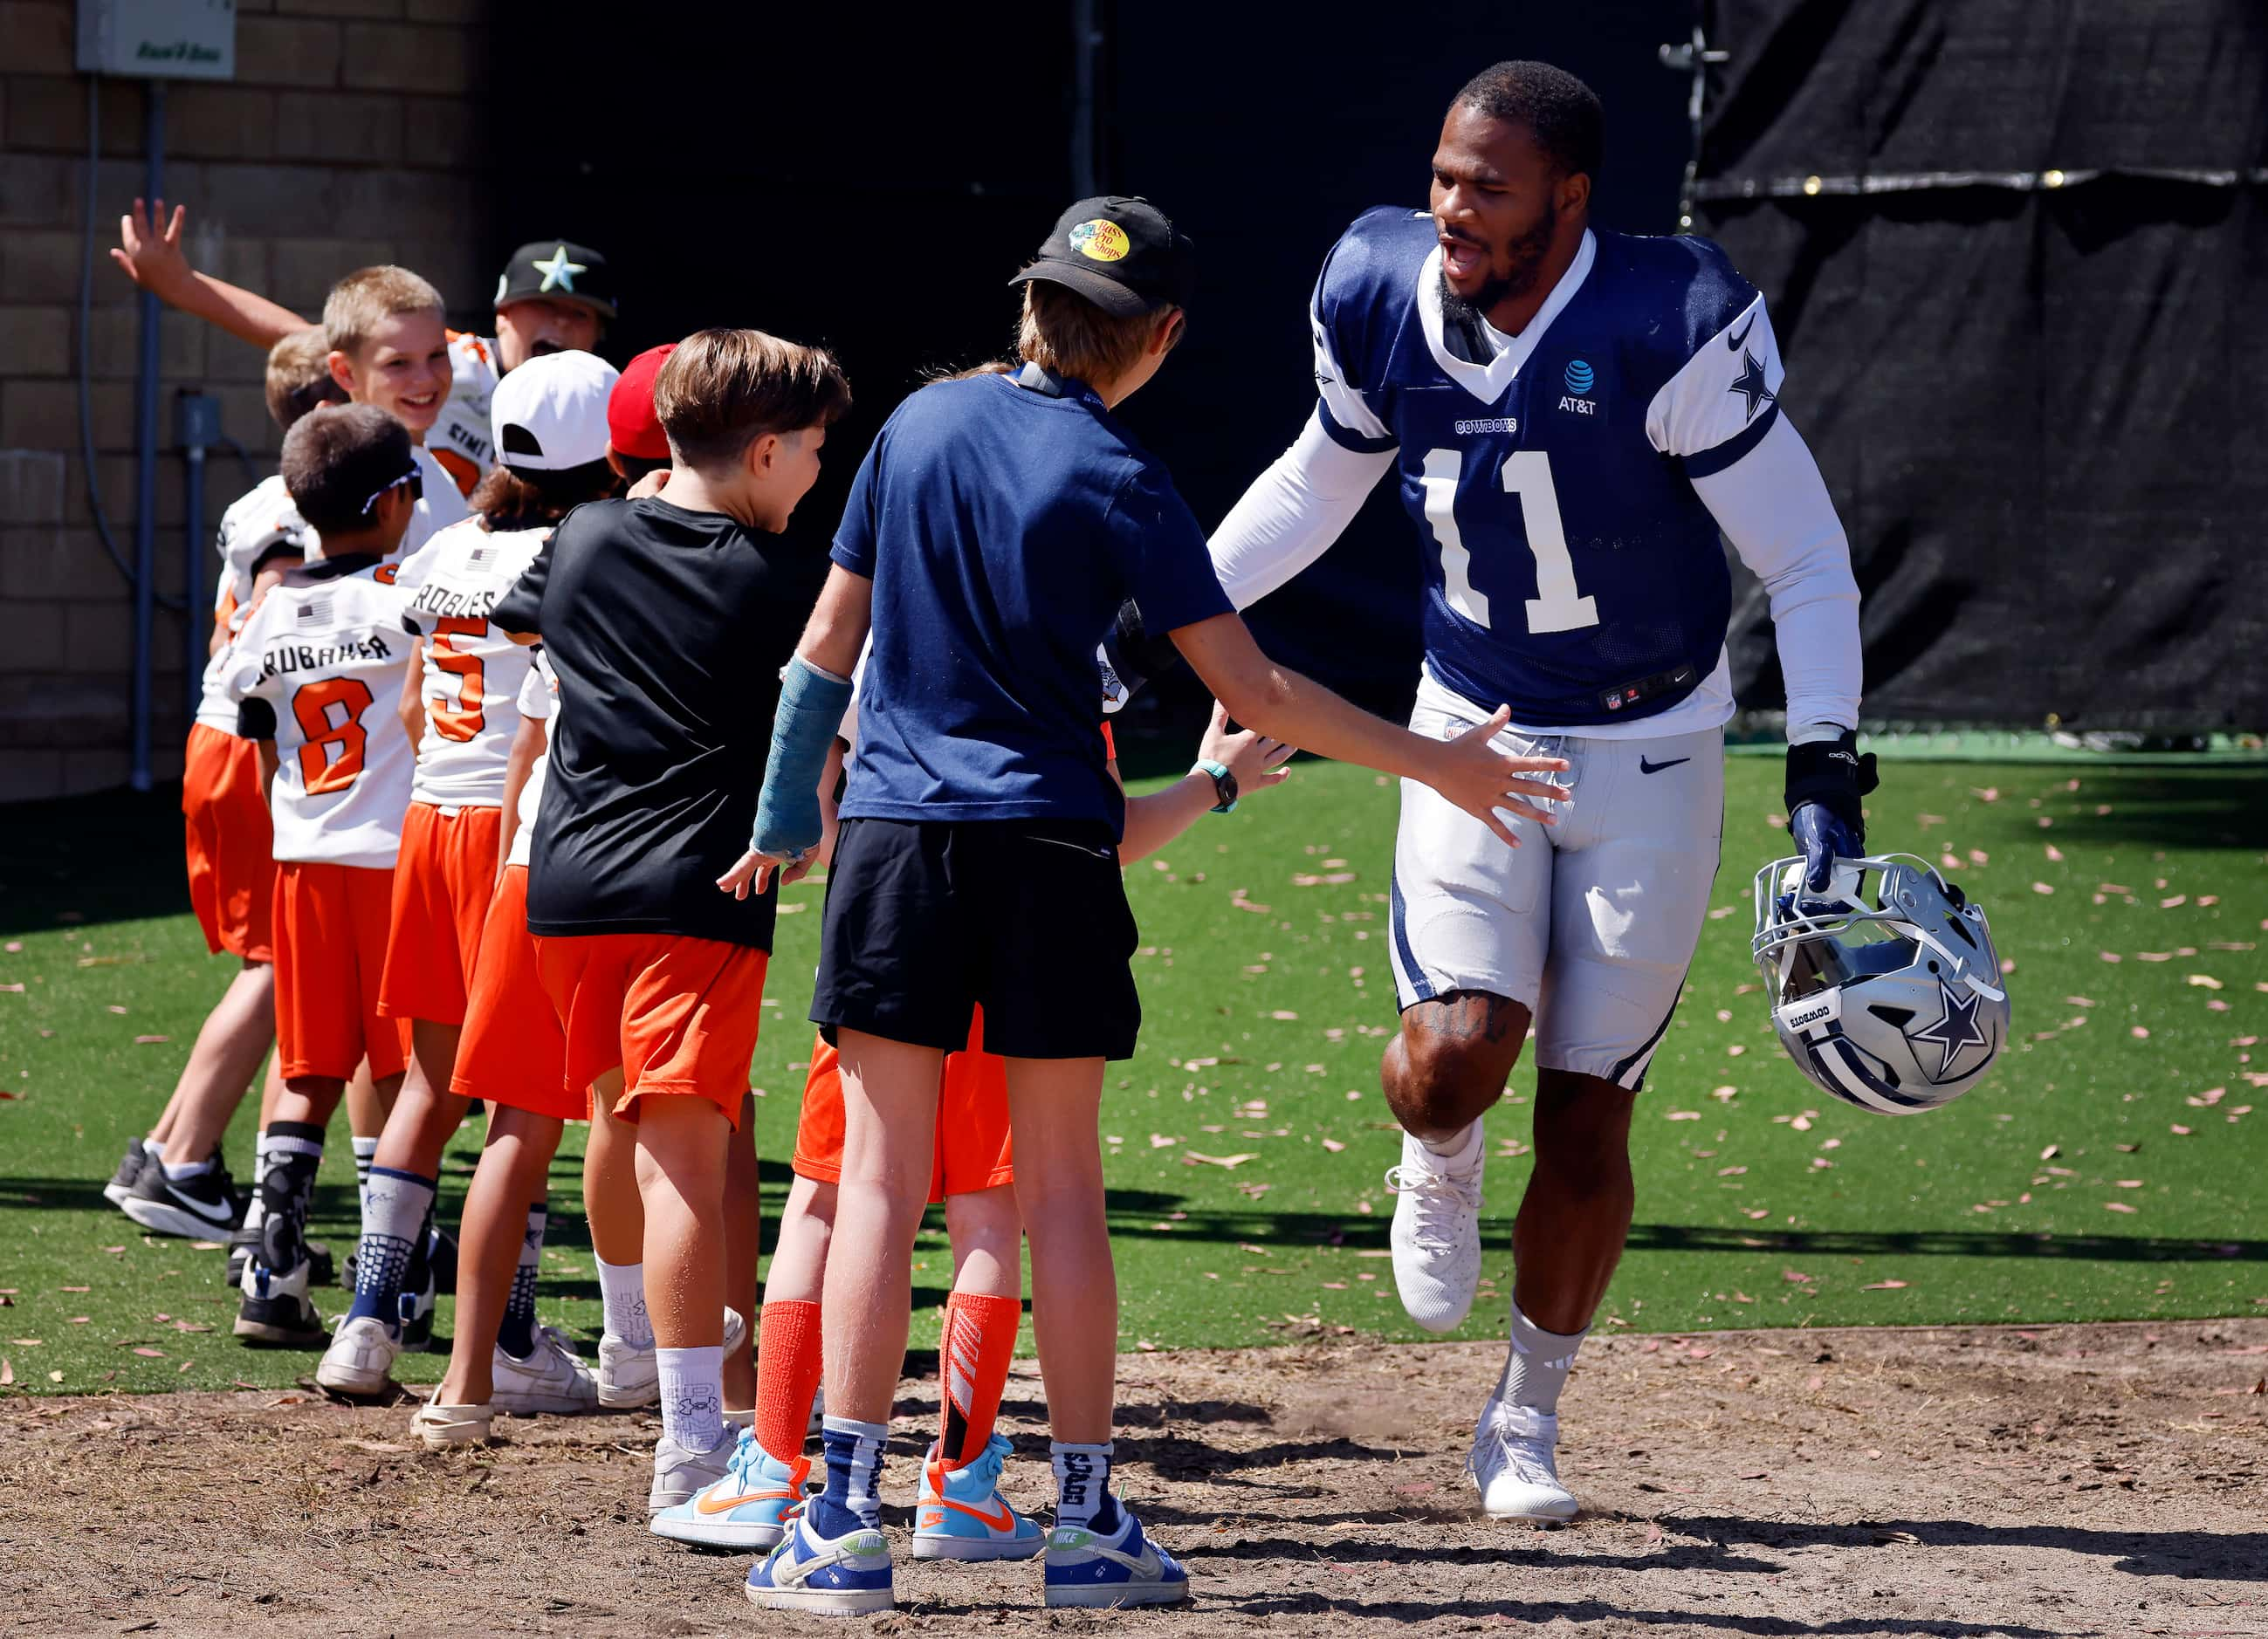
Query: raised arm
(1157, 817)
(149, 252)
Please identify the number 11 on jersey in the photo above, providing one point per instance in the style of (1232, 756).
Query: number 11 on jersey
(1557, 606)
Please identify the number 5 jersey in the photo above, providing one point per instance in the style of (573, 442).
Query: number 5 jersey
(318, 668)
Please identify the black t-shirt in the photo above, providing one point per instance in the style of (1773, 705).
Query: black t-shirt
(668, 629)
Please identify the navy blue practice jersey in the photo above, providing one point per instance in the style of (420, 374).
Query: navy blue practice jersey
(1571, 573)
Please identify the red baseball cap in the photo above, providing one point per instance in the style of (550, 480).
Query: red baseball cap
(632, 427)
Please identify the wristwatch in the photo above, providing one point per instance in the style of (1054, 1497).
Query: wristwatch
(1224, 785)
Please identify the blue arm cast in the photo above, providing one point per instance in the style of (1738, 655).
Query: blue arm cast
(811, 707)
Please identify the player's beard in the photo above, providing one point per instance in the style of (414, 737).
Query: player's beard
(1526, 256)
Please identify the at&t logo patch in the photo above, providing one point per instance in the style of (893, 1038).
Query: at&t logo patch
(1580, 379)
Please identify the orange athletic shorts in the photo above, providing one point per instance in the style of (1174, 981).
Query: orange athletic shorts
(676, 1015)
(231, 842)
(972, 1150)
(331, 947)
(443, 881)
(512, 1051)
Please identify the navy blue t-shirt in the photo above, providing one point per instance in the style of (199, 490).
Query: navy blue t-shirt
(1002, 527)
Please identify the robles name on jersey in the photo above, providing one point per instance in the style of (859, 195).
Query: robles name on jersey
(472, 672)
(1572, 572)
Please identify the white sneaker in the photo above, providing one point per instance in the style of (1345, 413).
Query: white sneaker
(553, 1379)
(1437, 1232)
(628, 1376)
(1511, 1465)
(444, 1428)
(360, 1359)
(679, 1476)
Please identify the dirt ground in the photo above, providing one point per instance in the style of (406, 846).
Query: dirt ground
(2108, 1480)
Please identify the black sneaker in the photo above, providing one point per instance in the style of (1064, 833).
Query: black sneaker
(202, 1207)
(130, 1168)
(276, 1309)
(322, 1269)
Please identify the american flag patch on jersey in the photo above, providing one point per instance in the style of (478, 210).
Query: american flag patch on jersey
(480, 554)
(316, 609)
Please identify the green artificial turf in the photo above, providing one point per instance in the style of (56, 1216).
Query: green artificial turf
(1248, 1139)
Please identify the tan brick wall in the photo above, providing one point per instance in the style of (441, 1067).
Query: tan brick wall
(347, 137)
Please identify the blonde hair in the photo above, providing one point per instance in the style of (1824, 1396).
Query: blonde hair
(299, 376)
(723, 389)
(368, 296)
(1063, 332)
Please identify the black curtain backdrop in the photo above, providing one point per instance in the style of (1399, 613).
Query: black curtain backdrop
(2014, 254)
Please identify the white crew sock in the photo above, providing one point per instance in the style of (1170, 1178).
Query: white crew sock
(1536, 1366)
(1083, 1485)
(622, 1294)
(1457, 1147)
(692, 1395)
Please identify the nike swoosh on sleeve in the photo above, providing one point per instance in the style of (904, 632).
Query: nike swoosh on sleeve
(1732, 342)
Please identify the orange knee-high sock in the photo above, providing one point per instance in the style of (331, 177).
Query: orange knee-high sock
(973, 1360)
(787, 1377)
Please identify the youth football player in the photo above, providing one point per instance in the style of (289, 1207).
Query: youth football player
(978, 809)
(231, 860)
(390, 347)
(461, 695)
(1570, 417)
(317, 670)
(553, 297)
(668, 621)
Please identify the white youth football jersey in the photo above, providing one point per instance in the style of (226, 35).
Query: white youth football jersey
(539, 699)
(261, 517)
(472, 672)
(215, 708)
(462, 438)
(318, 666)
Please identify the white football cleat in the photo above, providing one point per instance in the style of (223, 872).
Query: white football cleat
(1437, 1232)
(553, 1379)
(1513, 1468)
(359, 1360)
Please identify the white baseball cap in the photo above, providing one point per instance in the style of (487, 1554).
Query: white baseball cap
(550, 414)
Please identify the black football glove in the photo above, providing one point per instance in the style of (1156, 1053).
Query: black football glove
(1130, 657)
(1825, 781)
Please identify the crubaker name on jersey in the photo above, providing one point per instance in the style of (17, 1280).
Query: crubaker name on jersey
(276, 658)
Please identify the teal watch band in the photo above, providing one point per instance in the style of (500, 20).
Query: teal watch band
(1224, 785)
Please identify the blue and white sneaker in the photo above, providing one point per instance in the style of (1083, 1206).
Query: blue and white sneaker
(1085, 1568)
(748, 1508)
(844, 1576)
(960, 1514)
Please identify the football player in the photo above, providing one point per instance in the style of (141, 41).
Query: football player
(1572, 416)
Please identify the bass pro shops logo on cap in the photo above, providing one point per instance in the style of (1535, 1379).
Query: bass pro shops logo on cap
(1100, 241)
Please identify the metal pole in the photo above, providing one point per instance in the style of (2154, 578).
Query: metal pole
(145, 456)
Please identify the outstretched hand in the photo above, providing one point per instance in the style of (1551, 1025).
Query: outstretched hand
(1255, 761)
(149, 251)
(752, 872)
(1487, 783)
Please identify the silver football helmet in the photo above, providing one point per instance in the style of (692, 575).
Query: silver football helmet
(1891, 1002)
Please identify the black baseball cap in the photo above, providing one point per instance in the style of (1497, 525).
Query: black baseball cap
(1122, 253)
(558, 268)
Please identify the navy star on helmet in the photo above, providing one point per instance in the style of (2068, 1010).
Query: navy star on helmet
(1891, 998)
(557, 270)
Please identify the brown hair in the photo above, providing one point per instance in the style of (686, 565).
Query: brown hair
(368, 296)
(721, 390)
(338, 459)
(528, 499)
(299, 376)
(1063, 332)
